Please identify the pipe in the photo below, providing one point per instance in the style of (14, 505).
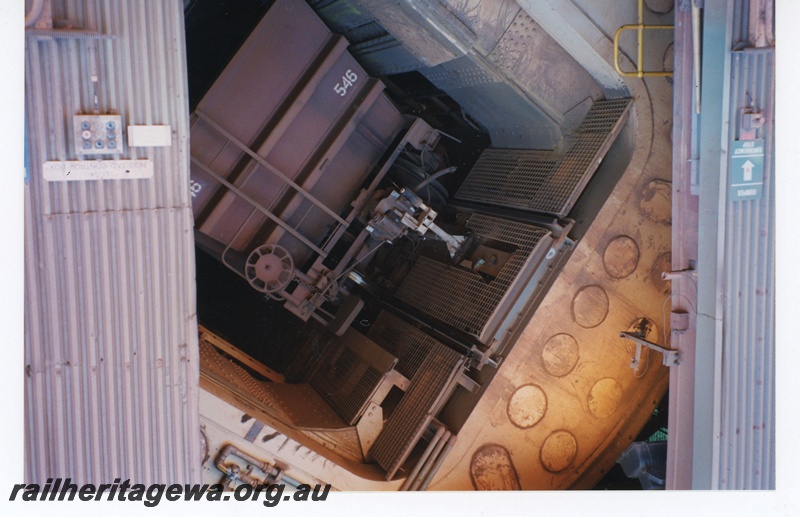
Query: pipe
(413, 475)
(429, 463)
(433, 177)
(93, 72)
(232, 470)
(451, 441)
(696, 54)
(35, 13)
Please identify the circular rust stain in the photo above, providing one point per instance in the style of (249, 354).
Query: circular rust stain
(590, 306)
(560, 355)
(663, 263)
(659, 6)
(604, 397)
(527, 406)
(656, 201)
(558, 451)
(492, 469)
(669, 61)
(648, 329)
(621, 257)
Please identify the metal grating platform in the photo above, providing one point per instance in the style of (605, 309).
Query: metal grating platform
(231, 374)
(462, 298)
(346, 381)
(432, 383)
(406, 342)
(296, 404)
(540, 181)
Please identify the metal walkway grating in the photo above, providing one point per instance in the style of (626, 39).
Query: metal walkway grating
(234, 376)
(345, 381)
(507, 176)
(406, 342)
(431, 384)
(604, 115)
(463, 298)
(539, 180)
(298, 405)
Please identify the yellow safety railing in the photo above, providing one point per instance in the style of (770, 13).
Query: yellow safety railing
(639, 28)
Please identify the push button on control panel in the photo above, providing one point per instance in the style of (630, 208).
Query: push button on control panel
(97, 134)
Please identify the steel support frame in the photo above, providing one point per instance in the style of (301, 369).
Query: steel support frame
(714, 130)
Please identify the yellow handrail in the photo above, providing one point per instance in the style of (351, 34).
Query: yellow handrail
(639, 28)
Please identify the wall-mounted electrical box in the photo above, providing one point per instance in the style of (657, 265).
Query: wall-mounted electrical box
(97, 134)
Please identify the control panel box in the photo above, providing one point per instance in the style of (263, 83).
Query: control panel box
(97, 134)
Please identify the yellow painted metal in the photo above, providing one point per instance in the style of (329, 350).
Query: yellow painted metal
(639, 28)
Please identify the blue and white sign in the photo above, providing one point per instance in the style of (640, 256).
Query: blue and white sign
(747, 170)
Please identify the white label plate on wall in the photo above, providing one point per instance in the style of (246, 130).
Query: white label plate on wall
(97, 170)
(149, 136)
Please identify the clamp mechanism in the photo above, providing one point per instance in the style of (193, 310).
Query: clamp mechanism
(671, 357)
(672, 275)
(402, 211)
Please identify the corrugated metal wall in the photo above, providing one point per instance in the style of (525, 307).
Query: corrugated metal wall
(734, 354)
(747, 427)
(111, 385)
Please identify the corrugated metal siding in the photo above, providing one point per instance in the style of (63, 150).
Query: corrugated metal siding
(747, 427)
(110, 324)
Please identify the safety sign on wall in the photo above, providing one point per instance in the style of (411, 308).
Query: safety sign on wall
(747, 170)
